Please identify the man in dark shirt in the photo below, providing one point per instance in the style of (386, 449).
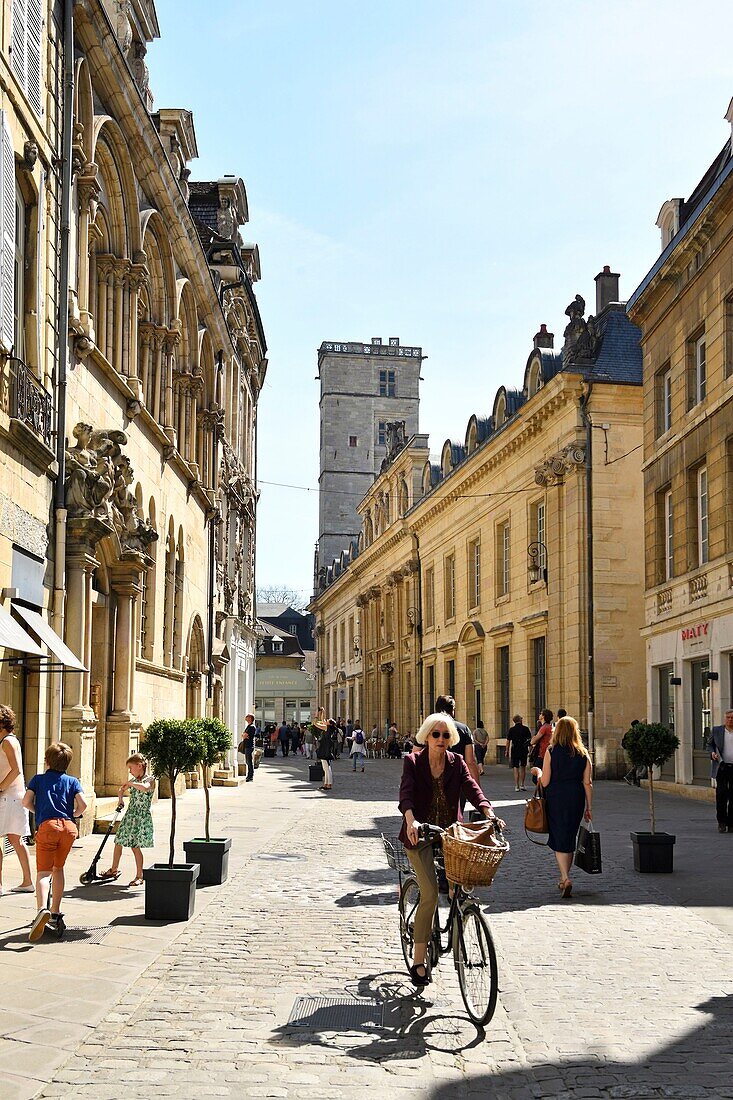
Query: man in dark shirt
(517, 747)
(446, 704)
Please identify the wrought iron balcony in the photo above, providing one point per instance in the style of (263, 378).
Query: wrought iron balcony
(30, 402)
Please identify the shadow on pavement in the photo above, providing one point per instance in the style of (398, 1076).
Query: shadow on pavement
(698, 1064)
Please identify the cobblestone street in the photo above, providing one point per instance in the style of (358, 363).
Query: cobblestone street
(624, 991)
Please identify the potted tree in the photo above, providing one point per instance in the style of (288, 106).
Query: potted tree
(211, 853)
(650, 745)
(172, 746)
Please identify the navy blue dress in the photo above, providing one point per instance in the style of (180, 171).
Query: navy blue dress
(565, 798)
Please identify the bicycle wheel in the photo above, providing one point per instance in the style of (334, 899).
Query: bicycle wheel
(475, 959)
(409, 899)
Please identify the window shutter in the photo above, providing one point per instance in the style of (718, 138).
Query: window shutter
(7, 237)
(34, 41)
(18, 39)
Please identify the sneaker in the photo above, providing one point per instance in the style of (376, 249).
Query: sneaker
(516, 788)
(523, 788)
(722, 828)
(39, 925)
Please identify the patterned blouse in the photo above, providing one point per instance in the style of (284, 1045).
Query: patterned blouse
(440, 812)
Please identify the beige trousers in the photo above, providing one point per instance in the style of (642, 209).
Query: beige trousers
(423, 865)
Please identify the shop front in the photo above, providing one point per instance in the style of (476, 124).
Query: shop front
(283, 695)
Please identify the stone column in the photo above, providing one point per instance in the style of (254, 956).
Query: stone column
(172, 339)
(122, 725)
(88, 192)
(78, 722)
(137, 278)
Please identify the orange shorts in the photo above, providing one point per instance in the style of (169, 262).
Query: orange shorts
(54, 839)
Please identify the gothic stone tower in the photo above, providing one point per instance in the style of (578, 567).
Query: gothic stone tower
(363, 388)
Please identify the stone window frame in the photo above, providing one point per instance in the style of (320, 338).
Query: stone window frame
(663, 399)
(473, 572)
(449, 586)
(696, 367)
(388, 383)
(429, 609)
(503, 535)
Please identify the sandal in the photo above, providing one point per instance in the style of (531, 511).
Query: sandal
(110, 875)
(136, 882)
(566, 888)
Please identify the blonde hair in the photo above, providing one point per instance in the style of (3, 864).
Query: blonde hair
(433, 720)
(567, 734)
(137, 758)
(58, 756)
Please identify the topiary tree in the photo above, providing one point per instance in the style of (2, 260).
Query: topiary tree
(215, 739)
(650, 745)
(172, 746)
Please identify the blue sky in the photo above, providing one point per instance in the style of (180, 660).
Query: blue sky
(449, 172)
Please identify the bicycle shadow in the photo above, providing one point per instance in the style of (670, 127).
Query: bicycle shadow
(412, 1024)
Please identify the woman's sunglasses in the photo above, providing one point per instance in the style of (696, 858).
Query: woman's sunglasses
(445, 734)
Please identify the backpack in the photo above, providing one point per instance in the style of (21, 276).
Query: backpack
(359, 737)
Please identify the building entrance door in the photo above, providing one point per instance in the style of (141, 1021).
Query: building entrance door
(666, 711)
(701, 721)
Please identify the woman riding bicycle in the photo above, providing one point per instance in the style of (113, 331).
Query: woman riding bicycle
(430, 792)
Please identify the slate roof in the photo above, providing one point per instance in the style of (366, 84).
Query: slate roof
(275, 610)
(619, 357)
(203, 202)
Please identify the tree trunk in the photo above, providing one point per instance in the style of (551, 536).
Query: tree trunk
(651, 801)
(172, 780)
(206, 797)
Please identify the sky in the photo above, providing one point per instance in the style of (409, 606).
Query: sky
(449, 171)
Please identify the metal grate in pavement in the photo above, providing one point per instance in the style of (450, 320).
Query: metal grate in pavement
(335, 1014)
(95, 934)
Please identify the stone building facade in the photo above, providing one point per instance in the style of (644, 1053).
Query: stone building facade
(365, 388)
(147, 496)
(472, 570)
(684, 308)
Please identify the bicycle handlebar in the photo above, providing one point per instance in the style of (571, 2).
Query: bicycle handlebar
(434, 832)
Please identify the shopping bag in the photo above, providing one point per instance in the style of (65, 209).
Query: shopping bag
(588, 850)
(316, 773)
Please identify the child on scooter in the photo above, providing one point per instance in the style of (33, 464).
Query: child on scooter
(136, 828)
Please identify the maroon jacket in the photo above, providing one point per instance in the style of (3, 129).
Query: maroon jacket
(416, 788)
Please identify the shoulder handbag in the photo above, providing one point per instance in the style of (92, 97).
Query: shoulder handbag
(588, 850)
(535, 816)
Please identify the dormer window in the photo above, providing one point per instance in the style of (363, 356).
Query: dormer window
(669, 220)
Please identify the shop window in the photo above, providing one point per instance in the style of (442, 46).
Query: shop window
(430, 689)
(539, 674)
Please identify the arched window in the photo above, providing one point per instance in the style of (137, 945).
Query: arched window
(146, 600)
(170, 593)
(535, 378)
(178, 603)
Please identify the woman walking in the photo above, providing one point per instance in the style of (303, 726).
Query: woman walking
(567, 778)
(324, 747)
(358, 746)
(13, 817)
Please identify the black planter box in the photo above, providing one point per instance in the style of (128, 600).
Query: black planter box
(653, 852)
(170, 892)
(212, 857)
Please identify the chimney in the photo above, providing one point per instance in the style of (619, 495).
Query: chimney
(606, 288)
(543, 338)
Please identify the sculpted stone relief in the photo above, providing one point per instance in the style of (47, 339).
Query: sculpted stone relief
(98, 479)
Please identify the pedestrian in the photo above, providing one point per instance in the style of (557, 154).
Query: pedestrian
(247, 745)
(561, 713)
(541, 739)
(480, 745)
(55, 799)
(308, 742)
(633, 776)
(446, 704)
(567, 780)
(283, 734)
(294, 739)
(394, 752)
(358, 746)
(721, 752)
(432, 785)
(13, 815)
(136, 828)
(325, 750)
(517, 748)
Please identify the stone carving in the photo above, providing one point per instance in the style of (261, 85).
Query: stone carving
(553, 469)
(395, 437)
(581, 338)
(98, 479)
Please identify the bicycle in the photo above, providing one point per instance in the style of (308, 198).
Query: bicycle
(466, 931)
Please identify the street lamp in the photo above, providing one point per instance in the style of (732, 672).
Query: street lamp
(357, 649)
(537, 553)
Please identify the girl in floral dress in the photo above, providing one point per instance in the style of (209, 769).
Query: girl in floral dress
(136, 828)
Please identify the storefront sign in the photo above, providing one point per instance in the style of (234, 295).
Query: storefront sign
(692, 633)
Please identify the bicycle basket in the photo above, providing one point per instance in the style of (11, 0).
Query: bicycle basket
(472, 860)
(395, 854)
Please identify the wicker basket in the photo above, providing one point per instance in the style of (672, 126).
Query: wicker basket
(468, 861)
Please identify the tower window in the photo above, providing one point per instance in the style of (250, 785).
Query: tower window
(382, 433)
(353, 441)
(387, 383)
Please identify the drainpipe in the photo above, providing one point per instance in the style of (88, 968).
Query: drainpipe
(59, 500)
(584, 403)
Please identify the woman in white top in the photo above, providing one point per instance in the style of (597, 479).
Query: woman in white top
(13, 817)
